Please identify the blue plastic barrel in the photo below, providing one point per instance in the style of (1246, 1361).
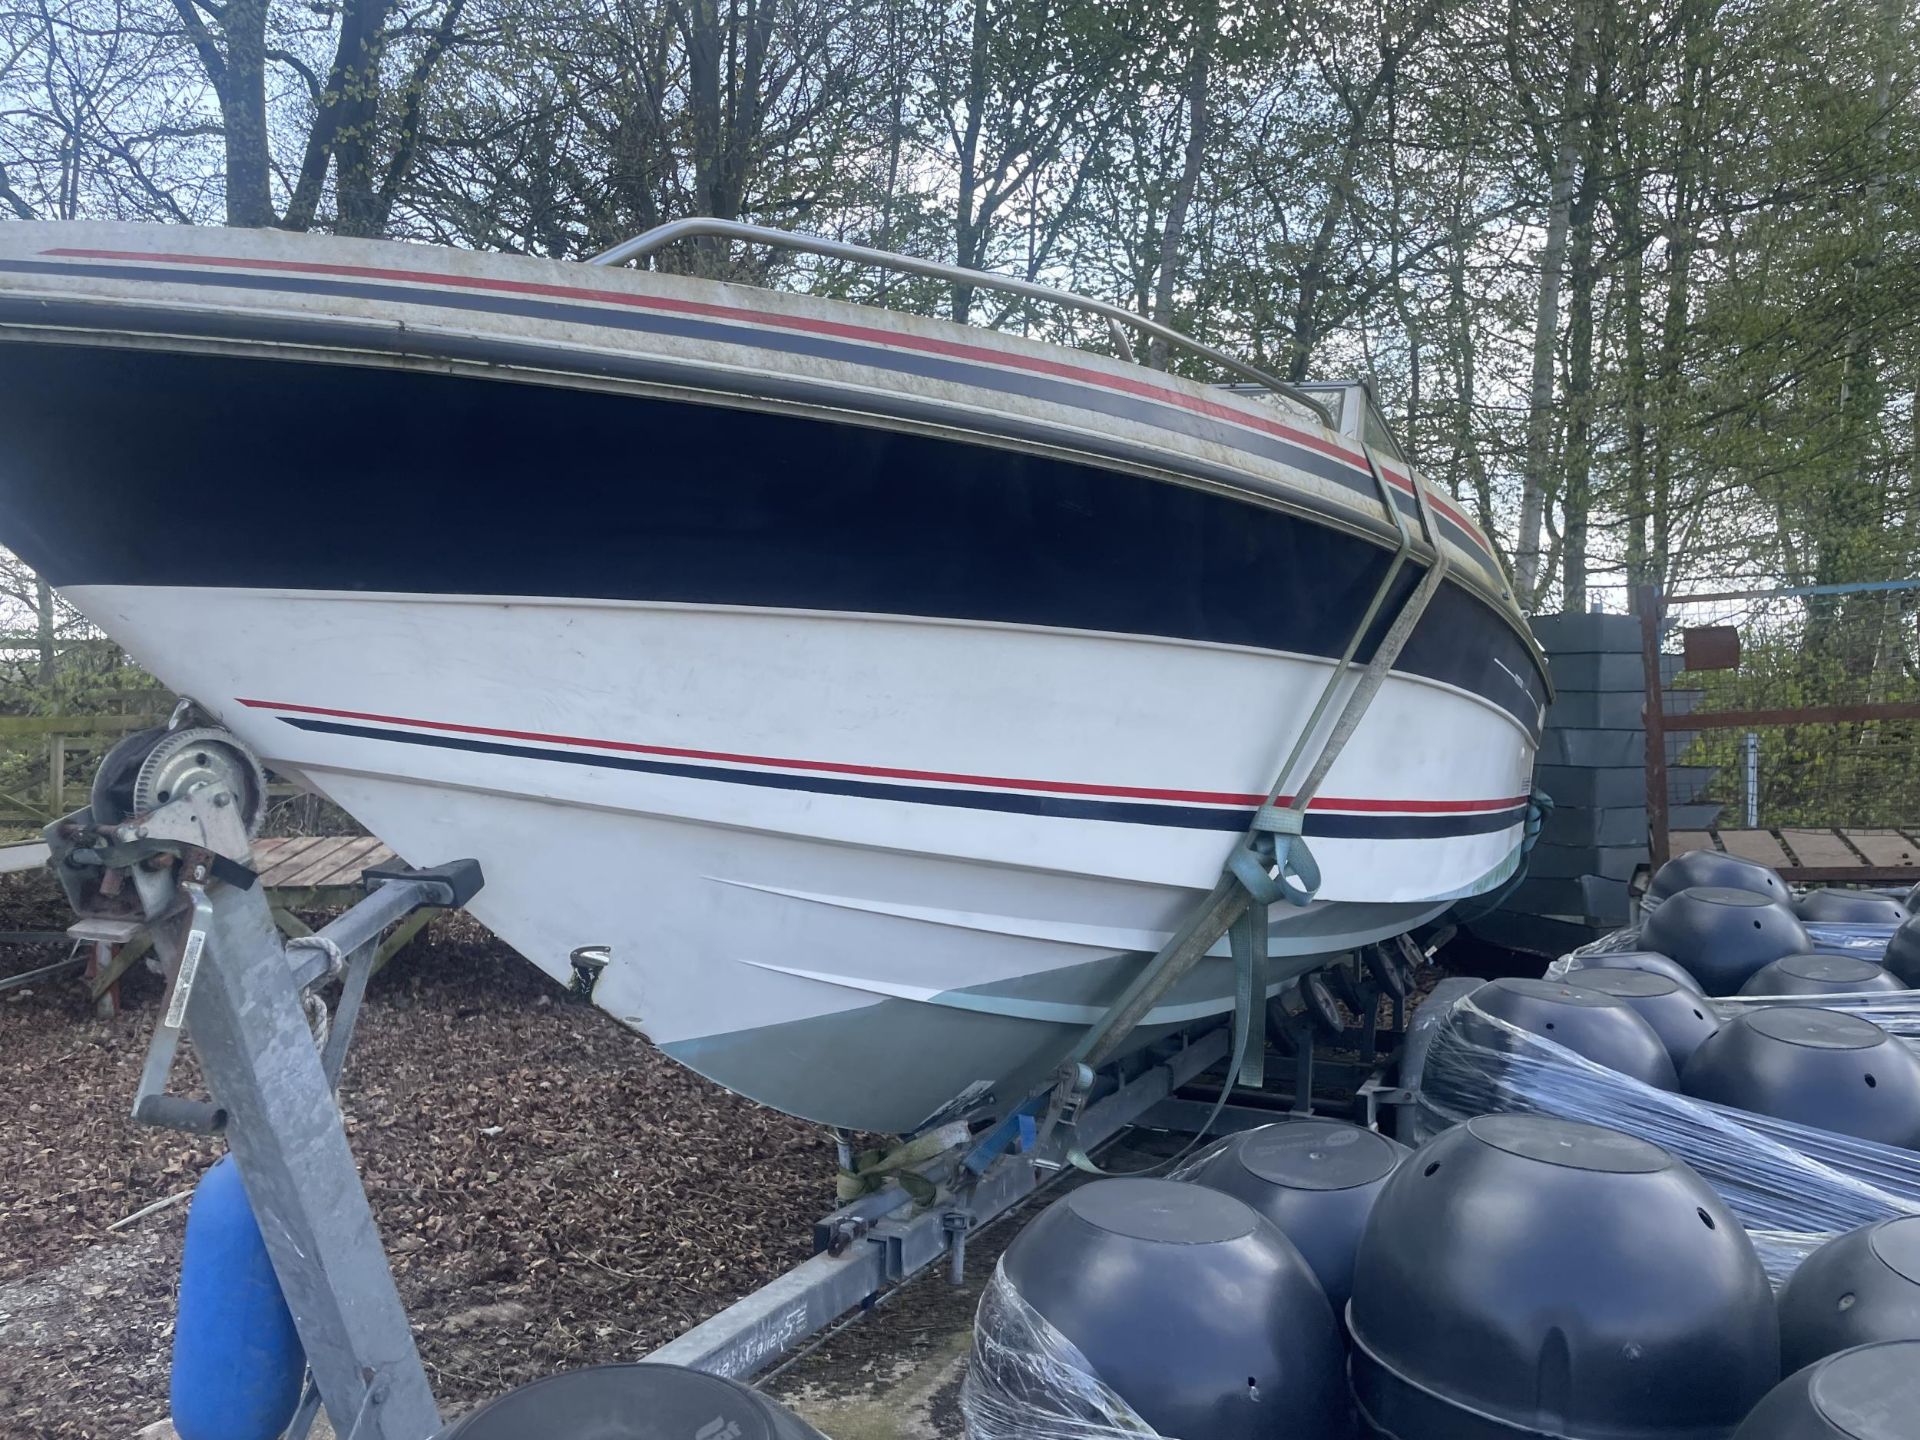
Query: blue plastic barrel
(237, 1360)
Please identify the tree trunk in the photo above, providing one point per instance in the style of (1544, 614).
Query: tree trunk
(1634, 383)
(1538, 482)
(1546, 333)
(1173, 234)
(896, 132)
(702, 30)
(1313, 274)
(43, 630)
(243, 110)
(969, 239)
(356, 110)
(1576, 493)
(1465, 360)
(1682, 239)
(1595, 114)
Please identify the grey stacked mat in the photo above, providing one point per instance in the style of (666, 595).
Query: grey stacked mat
(1593, 763)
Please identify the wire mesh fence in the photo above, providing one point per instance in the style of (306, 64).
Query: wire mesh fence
(1829, 681)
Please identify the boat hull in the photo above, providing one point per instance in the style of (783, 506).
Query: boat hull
(880, 749)
(854, 866)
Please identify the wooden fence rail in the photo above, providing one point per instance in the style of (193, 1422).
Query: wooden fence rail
(59, 737)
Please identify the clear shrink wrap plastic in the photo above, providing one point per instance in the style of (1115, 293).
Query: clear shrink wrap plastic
(1793, 1187)
(1862, 942)
(1027, 1381)
(1894, 1012)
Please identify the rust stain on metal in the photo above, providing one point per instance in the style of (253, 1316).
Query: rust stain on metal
(1711, 647)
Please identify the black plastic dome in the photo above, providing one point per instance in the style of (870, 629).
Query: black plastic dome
(1316, 1180)
(1601, 1027)
(1858, 1288)
(1722, 936)
(1849, 907)
(1903, 953)
(1523, 1275)
(1710, 867)
(1819, 975)
(1646, 960)
(631, 1402)
(1200, 1314)
(1679, 1014)
(1813, 1067)
(1869, 1393)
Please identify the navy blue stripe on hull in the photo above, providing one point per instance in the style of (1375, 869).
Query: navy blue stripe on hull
(821, 347)
(1128, 812)
(143, 467)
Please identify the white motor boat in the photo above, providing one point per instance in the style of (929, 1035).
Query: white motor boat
(879, 691)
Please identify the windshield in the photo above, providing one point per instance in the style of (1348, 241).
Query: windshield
(1378, 435)
(1350, 404)
(1334, 397)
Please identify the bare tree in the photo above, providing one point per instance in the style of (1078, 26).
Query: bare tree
(353, 119)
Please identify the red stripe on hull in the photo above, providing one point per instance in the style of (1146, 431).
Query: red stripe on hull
(833, 767)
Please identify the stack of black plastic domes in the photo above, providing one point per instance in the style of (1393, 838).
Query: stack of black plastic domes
(1315, 1179)
(1902, 957)
(1730, 927)
(1199, 1306)
(1155, 1302)
(1734, 927)
(1868, 1393)
(1721, 935)
(1813, 1067)
(1518, 1276)
(1551, 1265)
(1603, 1027)
(1522, 1275)
(1849, 1341)
(1817, 976)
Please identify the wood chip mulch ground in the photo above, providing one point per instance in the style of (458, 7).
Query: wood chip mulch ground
(552, 1191)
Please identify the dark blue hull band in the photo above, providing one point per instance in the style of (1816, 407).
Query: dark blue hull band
(1126, 812)
(160, 468)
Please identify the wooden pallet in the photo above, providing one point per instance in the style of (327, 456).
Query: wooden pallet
(322, 872)
(309, 872)
(1814, 856)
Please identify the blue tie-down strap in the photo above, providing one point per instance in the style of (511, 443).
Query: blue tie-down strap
(1274, 863)
(1539, 807)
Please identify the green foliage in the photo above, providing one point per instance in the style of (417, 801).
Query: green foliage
(1857, 649)
(77, 673)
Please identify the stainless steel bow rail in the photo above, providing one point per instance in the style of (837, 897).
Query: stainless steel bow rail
(270, 1051)
(1119, 320)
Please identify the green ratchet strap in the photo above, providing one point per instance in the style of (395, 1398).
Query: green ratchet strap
(1271, 862)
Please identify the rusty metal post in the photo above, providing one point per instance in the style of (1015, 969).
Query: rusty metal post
(1654, 715)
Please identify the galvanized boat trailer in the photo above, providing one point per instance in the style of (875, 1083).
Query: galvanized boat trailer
(166, 844)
